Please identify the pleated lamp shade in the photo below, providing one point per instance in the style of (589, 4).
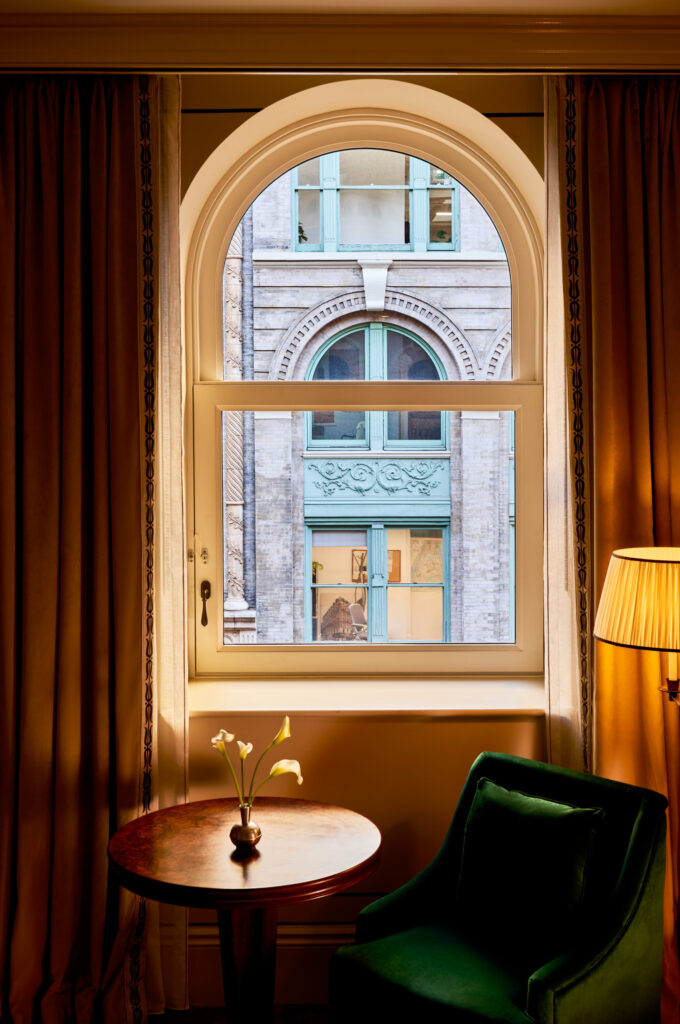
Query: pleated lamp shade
(640, 602)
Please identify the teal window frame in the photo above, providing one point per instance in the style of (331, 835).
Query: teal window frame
(375, 361)
(329, 188)
(377, 585)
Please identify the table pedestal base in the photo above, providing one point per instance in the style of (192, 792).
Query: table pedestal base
(248, 948)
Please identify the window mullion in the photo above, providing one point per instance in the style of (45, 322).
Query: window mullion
(309, 593)
(420, 172)
(377, 538)
(295, 210)
(329, 175)
(455, 217)
(375, 361)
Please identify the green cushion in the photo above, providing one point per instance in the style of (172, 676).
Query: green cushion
(529, 867)
(427, 974)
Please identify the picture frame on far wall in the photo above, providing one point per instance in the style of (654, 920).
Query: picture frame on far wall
(360, 566)
(394, 566)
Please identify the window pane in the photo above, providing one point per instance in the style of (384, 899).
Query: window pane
(339, 556)
(427, 556)
(308, 172)
(336, 556)
(374, 217)
(338, 539)
(407, 360)
(339, 426)
(309, 218)
(338, 614)
(439, 177)
(440, 216)
(415, 555)
(373, 167)
(345, 360)
(414, 426)
(415, 615)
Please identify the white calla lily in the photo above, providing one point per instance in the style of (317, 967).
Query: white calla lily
(219, 742)
(222, 737)
(284, 766)
(282, 734)
(246, 796)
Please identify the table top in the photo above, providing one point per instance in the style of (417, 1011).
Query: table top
(183, 854)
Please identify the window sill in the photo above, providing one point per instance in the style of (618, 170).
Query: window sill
(522, 696)
(449, 255)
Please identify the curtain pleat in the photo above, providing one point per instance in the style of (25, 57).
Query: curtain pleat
(75, 627)
(620, 163)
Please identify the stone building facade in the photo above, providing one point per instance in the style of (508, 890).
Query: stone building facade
(360, 527)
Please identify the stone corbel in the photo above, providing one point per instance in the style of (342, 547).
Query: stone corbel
(374, 269)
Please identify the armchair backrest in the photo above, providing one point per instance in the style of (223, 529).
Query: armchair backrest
(632, 829)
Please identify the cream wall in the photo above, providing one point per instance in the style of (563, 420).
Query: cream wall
(213, 105)
(404, 770)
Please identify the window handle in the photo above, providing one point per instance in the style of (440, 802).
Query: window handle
(205, 594)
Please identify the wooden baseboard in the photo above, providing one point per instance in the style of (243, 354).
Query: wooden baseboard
(303, 954)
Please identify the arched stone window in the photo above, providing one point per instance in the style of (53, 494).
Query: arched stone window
(376, 351)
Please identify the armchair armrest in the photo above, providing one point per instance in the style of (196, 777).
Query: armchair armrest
(416, 902)
(585, 985)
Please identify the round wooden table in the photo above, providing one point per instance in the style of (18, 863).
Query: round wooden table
(183, 855)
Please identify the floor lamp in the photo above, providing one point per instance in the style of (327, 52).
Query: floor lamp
(640, 605)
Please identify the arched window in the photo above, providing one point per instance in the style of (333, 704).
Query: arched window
(430, 441)
(376, 352)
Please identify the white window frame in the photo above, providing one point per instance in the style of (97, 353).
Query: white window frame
(414, 120)
(392, 660)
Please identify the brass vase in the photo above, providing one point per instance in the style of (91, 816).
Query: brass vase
(247, 835)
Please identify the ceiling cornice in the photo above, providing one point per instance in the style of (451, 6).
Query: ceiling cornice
(350, 43)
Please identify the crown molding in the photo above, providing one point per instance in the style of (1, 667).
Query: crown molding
(344, 44)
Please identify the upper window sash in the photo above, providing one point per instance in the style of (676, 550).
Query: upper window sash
(421, 188)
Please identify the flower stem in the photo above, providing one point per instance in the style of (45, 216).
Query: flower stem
(251, 795)
(233, 775)
(251, 798)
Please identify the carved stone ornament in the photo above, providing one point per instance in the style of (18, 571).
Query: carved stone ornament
(320, 322)
(378, 477)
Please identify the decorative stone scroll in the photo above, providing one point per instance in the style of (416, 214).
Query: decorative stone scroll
(362, 478)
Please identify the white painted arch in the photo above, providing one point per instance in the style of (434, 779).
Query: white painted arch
(358, 113)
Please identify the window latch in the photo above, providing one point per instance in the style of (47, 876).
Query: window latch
(205, 594)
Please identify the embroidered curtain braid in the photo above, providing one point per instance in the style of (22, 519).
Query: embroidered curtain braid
(619, 148)
(79, 341)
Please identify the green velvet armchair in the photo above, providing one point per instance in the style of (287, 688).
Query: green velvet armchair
(544, 904)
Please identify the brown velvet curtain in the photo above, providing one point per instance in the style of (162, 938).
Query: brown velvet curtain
(77, 351)
(620, 164)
